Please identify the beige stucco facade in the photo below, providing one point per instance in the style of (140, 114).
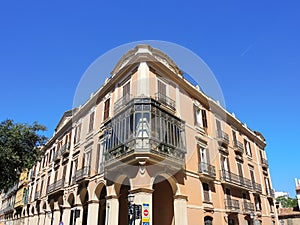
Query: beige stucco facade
(149, 132)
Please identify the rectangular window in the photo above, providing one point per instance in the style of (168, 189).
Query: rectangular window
(206, 194)
(77, 134)
(126, 90)
(200, 117)
(91, 124)
(162, 88)
(106, 109)
(247, 147)
(234, 138)
(87, 159)
(64, 172)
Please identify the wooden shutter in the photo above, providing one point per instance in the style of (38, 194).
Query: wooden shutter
(162, 89)
(106, 109)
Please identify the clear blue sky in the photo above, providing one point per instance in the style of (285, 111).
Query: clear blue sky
(251, 46)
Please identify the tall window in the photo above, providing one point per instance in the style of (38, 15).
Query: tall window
(234, 138)
(247, 147)
(77, 134)
(91, 124)
(162, 88)
(106, 109)
(224, 163)
(87, 159)
(240, 171)
(257, 202)
(252, 175)
(126, 90)
(206, 194)
(200, 117)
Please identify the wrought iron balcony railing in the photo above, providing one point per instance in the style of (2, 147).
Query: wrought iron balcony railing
(207, 169)
(122, 102)
(223, 137)
(143, 128)
(248, 206)
(238, 147)
(235, 179)
(232, 205)
(82, 173)
(57, 155)
(163, 99)
(257, 187)
(65, 149)
(56, 186)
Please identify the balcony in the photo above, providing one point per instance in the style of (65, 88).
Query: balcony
(238, 147)
(57, 156)
(143, 129)
(83, 173)
(56, 186)
(248, 207)
(257, 187)
(207, 170)
(65, 149)
(235, 179)
(270, 192)
(223, 138)
(121, 102)
(264, 162)
(166, 101)
(37, 195)
(232, 205)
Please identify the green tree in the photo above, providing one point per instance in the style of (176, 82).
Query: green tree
(19, 149)
(287, 202)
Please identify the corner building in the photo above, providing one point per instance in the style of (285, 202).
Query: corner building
(149, 132)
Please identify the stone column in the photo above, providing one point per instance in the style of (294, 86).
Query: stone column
(34, 219)
(93, 207)
(180, 210)
(47, 218)
(143, 197)
(66, 215)
(56, 216)
(112, 210)
(42, 218)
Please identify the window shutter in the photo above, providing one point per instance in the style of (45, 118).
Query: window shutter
(204, 118)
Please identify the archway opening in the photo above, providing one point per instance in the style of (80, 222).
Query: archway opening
(163, 203)
(84, 197)
(123, 203)
(101, 194)
(71, 201)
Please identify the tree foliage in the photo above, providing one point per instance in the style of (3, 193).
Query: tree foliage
(287, 202)
(19, 149)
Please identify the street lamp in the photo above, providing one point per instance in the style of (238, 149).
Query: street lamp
(134, 210)
(130, 198)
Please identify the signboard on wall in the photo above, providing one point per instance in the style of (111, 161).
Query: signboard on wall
(146, 214)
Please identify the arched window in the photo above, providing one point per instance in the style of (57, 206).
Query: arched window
(208, 220)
